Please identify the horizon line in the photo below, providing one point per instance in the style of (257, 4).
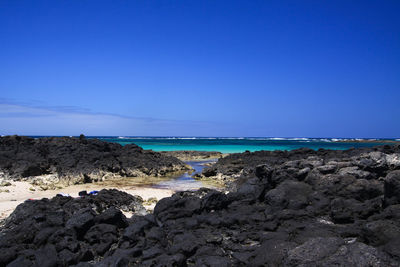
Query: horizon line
(221, 137)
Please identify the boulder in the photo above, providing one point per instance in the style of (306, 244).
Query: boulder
(392, 188)
(313, 251)
(289, 194)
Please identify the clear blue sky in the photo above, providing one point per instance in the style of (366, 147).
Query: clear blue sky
(200, 68)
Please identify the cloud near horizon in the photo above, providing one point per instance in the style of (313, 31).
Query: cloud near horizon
(35, 118)
(25, 119)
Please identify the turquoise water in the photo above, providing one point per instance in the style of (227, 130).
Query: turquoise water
(234, 145)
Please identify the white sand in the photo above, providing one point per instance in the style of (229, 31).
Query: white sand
(19, 192)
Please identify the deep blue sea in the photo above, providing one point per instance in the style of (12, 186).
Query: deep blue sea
(233, 145)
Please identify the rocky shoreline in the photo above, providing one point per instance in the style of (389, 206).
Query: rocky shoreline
(283, 208)
(241, 166)
(59, 161)
(190, 155)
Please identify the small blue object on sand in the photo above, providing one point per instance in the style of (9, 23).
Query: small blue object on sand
(94, 192)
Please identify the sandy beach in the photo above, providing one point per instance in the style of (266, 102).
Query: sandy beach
(20, 191)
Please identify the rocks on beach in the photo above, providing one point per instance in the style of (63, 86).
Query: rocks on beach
(65, 230)
(46, 162)
(298, 208)
(188, 155)
(302, 162)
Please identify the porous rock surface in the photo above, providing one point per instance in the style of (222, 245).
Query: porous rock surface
(64, 230)
(71, 160)
(323, 208)
(300, 162)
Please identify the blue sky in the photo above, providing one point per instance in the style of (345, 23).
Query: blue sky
(200, 68)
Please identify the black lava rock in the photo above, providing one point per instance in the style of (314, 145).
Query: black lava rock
(80, 160)
(299, 208)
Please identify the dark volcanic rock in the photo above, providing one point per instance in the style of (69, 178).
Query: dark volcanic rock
(392, 188)
(365, 163)
(301, 208)
(64, 230)
(79, 160)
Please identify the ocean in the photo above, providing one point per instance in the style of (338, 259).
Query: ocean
(241, 144)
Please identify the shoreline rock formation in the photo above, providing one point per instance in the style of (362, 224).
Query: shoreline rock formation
(79, 229)
(66, 160)
(240, 166)
(189, 155)
(285, 208)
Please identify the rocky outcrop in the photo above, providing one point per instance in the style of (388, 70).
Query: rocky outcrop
(68, 160)
(187, 155)
(300, 162)
(64, 230)
(303, 209)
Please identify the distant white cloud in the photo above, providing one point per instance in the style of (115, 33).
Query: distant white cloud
(24, 119)
(38, 119)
